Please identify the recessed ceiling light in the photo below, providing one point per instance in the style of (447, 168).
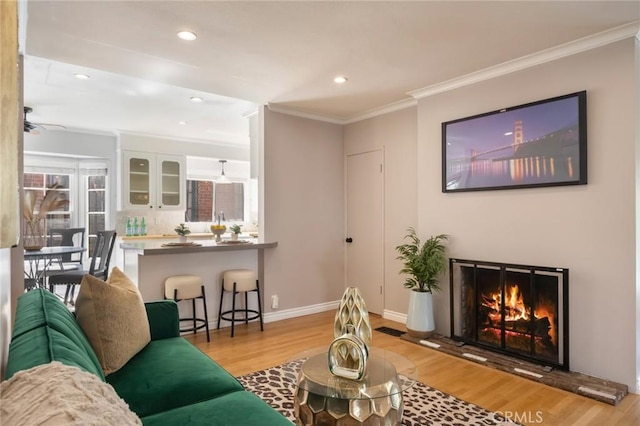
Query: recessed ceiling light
(196, 99)
(183, 123)
(80, 76)
(187, 35)
(340, 79)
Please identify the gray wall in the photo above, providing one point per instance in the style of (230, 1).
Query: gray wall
(396, 134)
(589, 229)
(303, 210)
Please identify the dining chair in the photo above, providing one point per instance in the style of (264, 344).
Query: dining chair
(99, 266)
(66, 237)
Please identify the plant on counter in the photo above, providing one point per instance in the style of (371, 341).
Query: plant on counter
(235, 229)
(182, 230)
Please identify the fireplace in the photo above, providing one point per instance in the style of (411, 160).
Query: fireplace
(519, 310)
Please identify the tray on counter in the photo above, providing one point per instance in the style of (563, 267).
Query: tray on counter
(187, 244)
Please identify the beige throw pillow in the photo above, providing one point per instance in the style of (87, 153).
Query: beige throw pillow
(57, 394)
(114, 319)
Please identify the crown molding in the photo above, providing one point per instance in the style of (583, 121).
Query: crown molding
(250, 113)
(298, 113)
(214, 142)
(622, 32)
(567, 49)
(374, 112)
(386, 109)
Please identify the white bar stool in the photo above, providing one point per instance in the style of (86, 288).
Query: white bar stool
(238, 281)
(188, 287)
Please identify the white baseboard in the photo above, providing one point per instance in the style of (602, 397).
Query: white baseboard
(394, 316)
(302, 311)
(308, 310)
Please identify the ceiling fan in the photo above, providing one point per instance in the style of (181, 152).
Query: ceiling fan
(33, 128)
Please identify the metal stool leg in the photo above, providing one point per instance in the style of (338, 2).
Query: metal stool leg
(233, 309)
(220, 309)
(193, 305)
(259, 306)
(246, 307)
(206, 316)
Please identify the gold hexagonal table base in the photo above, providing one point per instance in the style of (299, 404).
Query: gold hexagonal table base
(314, 409)
(322, 398)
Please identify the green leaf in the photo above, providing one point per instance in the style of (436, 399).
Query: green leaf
(423, 262)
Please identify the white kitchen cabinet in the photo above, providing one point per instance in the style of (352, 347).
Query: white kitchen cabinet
(153, 181)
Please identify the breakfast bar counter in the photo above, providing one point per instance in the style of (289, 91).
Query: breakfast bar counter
(149, 262)
(155, 247)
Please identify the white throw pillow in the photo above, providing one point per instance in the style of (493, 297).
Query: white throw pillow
(58, 394)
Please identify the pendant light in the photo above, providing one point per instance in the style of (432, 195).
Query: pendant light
(222, 178)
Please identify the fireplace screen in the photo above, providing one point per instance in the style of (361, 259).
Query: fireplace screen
(516, 309)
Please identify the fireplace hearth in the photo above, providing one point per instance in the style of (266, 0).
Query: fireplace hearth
(518, 310)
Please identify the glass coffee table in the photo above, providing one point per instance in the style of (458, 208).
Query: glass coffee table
(324, 399)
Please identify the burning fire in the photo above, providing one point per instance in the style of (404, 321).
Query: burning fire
(515, 309)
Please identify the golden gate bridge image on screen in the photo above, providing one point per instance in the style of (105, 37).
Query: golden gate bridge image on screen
(553, 157)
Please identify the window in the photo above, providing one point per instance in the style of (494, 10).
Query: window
(40, 182)
(229, 198)
(85, 183)
(205, 196)
(96, 207)
(199, 201)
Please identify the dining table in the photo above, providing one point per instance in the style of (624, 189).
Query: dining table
(37, 262)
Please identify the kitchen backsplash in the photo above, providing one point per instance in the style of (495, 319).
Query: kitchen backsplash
(158, 223)
(164, 222)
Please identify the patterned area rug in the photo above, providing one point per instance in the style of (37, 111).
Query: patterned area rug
(423, 405)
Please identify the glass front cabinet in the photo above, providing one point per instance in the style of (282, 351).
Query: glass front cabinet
(153, 181)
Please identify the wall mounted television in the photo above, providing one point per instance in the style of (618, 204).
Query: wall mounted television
(541, 143)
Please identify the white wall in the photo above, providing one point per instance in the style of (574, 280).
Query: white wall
(303, 210)
(160, 145)
(589, 229)
(62, 144)
(396, 133)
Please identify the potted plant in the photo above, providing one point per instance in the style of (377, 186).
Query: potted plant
(424, 263)
(235, 230)
(182, 232)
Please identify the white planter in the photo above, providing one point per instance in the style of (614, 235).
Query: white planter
(420, 319)
(234, 237)
(182, 238)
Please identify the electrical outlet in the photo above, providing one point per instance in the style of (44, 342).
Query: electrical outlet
(274, 301)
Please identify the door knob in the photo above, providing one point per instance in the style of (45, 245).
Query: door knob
(349, 240)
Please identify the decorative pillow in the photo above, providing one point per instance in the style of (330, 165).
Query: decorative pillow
(58, 394)
(114, 318)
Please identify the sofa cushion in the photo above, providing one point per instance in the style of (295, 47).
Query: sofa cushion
(44, 331)
(57, 394)
(237, 408)
(114, 318)
(170, 373)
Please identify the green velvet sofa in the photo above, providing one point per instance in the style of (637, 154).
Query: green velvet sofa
(169, 382)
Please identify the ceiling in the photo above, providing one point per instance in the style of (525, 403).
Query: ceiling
(284, 54)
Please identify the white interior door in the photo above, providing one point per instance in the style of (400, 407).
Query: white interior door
(365, 257)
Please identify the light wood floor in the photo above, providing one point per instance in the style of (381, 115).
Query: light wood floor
(252, 350)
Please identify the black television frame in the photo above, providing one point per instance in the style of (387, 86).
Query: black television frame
(504, 165)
